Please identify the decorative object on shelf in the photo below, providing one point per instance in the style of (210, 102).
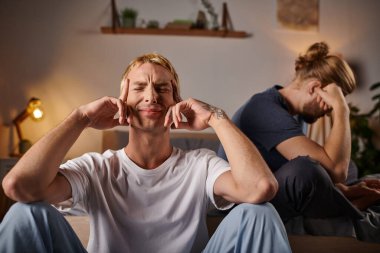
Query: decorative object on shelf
(363, 152)
(33, 110)
(201, 22)
(129, 16)
(179, 24)
(177, 27)
(214, 15)
(153, 24)
(226, 19)
(115, 15)
(141, 23)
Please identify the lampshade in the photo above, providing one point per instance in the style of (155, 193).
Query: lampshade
(35, 112)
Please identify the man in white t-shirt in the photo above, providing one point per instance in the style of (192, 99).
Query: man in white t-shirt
(148, 196)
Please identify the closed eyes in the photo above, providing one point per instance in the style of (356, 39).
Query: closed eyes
(160, 88)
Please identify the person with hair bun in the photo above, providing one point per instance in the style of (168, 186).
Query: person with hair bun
(311, 177)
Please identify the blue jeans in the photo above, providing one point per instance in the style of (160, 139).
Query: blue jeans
(38, 227)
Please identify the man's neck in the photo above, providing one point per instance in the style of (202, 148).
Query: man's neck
(148, 149)
(291, 94)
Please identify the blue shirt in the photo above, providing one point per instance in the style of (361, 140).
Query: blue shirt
(266, 120)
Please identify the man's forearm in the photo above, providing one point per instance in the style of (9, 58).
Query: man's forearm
(249, 170)
(39, 166)
(338, 144)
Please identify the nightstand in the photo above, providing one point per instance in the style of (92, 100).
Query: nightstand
(5, 165)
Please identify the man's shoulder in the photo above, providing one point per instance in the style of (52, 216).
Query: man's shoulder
(262, 103)
(93, 160)
(268, 95)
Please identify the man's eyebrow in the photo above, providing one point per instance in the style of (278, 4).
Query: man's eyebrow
(139, 83)
(162, 83)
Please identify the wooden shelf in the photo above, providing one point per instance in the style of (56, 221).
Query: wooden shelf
(176, 32)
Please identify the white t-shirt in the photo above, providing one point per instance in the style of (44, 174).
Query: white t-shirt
(136, 210)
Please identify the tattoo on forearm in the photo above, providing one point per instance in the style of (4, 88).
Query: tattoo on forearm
(219, 113)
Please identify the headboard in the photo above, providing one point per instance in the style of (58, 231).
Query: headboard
(117, 139)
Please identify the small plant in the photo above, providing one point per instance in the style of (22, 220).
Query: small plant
(363, 152)
(129, 13)
(129, 16)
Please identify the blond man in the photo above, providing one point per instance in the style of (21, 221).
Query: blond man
(148, 196)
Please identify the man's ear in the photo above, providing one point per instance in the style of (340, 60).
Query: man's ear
(312, 85)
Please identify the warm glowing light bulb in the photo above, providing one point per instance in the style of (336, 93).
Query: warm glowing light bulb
(38, 113)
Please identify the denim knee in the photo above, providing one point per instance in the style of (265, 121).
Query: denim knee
(265, 210)
(37, 227)
(24, 213)
(36, 207)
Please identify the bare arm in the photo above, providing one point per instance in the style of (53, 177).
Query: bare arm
(335, 154)
(35, 177)
(250, 180)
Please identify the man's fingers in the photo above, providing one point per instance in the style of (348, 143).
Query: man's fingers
(124, 90)
(124, 115)
(168, 118)
(320, 92)
(178, 113)
(173, 118)
(121, 111)
(175, 114)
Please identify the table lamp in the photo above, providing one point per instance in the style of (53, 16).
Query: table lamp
(33, 110)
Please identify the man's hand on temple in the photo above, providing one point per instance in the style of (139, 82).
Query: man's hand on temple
(331, 96)
(197, 114)
(100, 113)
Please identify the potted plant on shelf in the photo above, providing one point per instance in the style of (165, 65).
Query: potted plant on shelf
(129, 16)
(364, 153)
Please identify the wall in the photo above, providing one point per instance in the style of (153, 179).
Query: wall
(54, 50)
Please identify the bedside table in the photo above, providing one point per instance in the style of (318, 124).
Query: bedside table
(6, 165)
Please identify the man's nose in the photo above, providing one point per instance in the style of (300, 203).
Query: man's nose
(151, 95)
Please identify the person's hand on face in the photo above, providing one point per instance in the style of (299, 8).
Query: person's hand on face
(101, 113)
(330, 97)
(126, 117)
(196, 115)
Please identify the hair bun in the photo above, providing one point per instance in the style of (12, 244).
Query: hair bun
(317, 51)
